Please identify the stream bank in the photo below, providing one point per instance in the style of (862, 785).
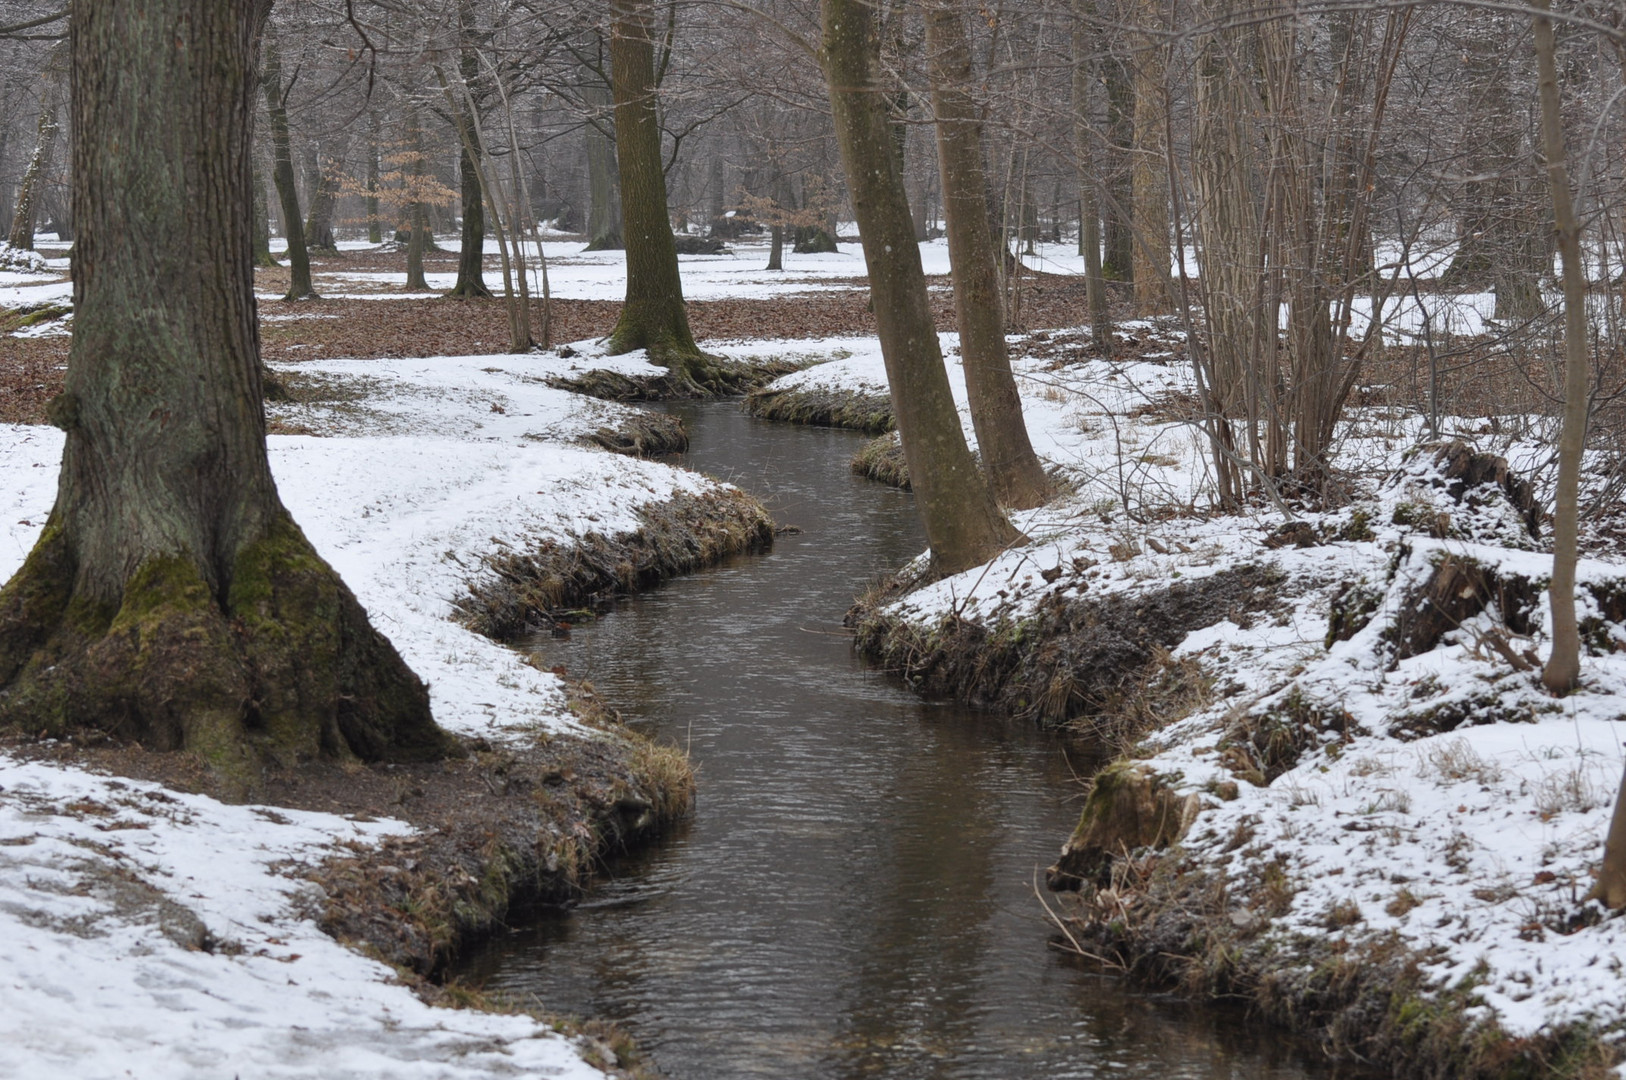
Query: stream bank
(854, 894)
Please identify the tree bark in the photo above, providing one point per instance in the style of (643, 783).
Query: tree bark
(30, 192)
(603, 184)
(324, 189)
(282, 175)
(471, 262)
(1118, 259)
(653, 317)
(1013, 468)
(1089, 198)
(1149, 179)
(1564, 664)
(375, 227)
(417, 220)
(171, 599)
(964, 524)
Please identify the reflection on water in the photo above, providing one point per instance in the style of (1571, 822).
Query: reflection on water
(854, 897)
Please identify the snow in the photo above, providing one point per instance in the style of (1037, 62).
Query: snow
(1475, 846)
(419, 484)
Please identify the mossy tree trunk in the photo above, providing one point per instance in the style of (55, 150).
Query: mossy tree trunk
(996, 406)
(1149, 176)
(654, 317)
(282, 175)
(964, 524)
(1117, 260)
(171, 599)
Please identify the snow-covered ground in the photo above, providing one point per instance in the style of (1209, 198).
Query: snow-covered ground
(158, 935)
(1475, 845)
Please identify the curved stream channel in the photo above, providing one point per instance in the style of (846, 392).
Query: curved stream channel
(854, 896)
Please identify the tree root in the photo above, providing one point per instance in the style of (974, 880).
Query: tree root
(282, 668)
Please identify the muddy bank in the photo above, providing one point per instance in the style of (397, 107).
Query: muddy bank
(1073, 661)
(881, 459)
(825, 406)
(520, 591)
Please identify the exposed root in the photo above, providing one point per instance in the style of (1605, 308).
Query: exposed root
(646, 434)
(283, 668)
(716, 377)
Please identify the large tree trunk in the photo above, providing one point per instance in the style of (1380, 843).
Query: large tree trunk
(31, 191)
(963, 523)
(282, 175)
(470, 263)
(171, 599)
(996, 406)
(1118, 259)
(653, 317)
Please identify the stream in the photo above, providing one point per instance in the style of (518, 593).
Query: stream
(854, 896)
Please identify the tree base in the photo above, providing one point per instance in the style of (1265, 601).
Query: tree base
(469, 290)
(282, 668)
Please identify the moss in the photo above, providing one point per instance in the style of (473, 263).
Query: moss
(882, 459)
(858, 410)
(1128, 809)
(522, 592)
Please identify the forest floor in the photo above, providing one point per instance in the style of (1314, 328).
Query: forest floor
(1371, 824)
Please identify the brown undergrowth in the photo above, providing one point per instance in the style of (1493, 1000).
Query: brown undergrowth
(1163, 920)
(523, 591)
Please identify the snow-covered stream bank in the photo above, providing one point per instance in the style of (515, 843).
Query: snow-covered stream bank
(1382, 828)
(167, 935)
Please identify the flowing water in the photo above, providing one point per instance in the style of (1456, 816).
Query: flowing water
(855, 894)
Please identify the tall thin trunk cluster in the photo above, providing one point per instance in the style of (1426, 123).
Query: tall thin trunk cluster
(964, 524)
(1283, 170)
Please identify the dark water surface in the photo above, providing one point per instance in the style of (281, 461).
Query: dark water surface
(855, 895)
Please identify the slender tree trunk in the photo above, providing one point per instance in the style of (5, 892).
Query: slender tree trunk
(963, 522)
(282, 175)
(324, 188)
(31, 191)
(1118, 260)
(470, 264)
(996, 406)
(375, 227)
(603, 183)
(1150, 174)
(1089, 199)
(262, 225)
(1564, 665)
(653, 317)
(418, 220)
(1610, 888)
(171, 599)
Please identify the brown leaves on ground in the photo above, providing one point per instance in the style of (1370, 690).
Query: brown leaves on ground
(31, 369)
